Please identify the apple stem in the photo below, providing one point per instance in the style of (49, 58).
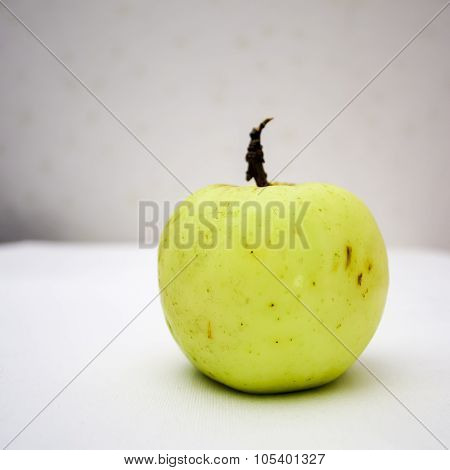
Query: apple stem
(255, 156)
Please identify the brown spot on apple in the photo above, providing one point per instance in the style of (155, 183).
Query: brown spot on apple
(209, 330)
(348, 259)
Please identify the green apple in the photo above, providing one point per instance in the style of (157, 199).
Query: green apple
(262, 306)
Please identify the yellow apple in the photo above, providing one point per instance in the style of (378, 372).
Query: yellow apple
(264, 306)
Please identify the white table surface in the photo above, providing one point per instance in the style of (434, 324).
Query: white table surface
(60, 304)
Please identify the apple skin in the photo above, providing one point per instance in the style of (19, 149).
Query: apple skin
(241, 326)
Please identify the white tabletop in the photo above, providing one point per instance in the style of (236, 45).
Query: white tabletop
(61, 304)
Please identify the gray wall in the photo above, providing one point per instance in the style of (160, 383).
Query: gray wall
(190, 79)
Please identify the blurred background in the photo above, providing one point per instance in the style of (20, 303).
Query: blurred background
(190, 79)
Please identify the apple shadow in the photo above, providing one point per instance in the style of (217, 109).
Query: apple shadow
(355, 379)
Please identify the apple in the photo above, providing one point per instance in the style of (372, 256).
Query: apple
(268, 305)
